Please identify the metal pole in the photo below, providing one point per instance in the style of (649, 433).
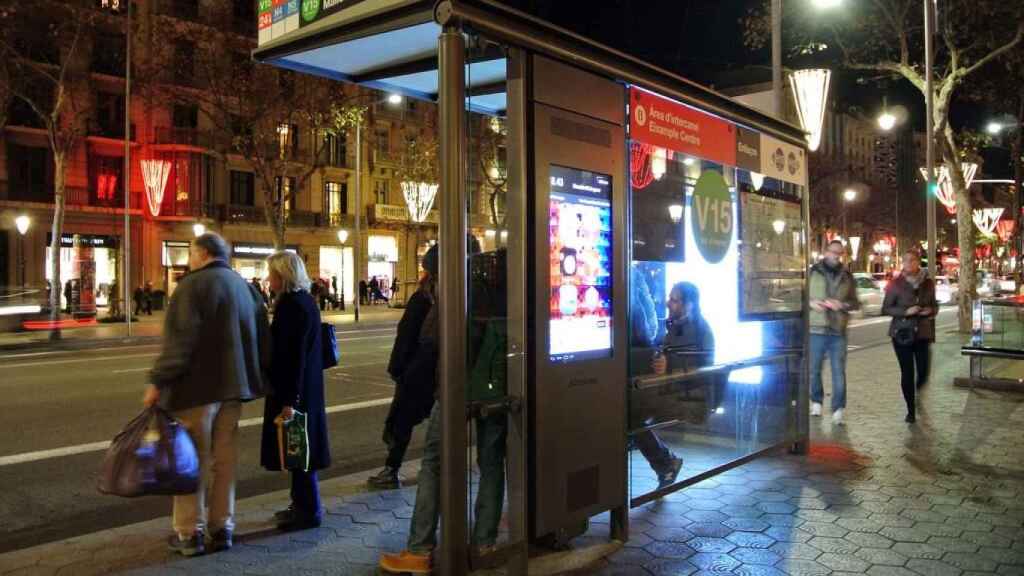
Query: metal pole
(126, 178)
(777, 57)
(359, 208)
(21, 260)
(452, 302)
(929, 130)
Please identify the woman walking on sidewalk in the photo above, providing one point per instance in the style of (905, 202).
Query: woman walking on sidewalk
(297, 383)
(910, 300)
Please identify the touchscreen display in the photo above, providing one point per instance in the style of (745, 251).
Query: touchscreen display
(580, 258)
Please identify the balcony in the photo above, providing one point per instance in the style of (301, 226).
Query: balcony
(112, 129)
(384, 157)
(184, 136)
(236, 214)
(338, 220)
(390, 214)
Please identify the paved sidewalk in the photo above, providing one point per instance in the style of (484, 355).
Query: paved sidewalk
(874, 497)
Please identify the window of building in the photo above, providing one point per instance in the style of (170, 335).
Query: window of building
(243, 188)
(105, 183)
(109, 115)
(30, 173)
(183, 63)
(185, 116)
(336, 196)
(108, 52)
(288, 138)
(286, 190)
(380, 191)
(382, 141)
(335, 149)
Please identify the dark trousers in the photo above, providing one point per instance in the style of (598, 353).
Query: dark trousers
(397, 439)
(654, 450)
(306, 493)
(914, 360)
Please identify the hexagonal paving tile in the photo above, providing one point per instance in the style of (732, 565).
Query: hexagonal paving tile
(671, 550)
(710, 529)
(952, 544)
(757, 570)
(714, 562)
(751, 540)
(881, 556)
(668, 567)
(796, 550)
(932, 567)
(667, 534)
(905, 534)
(833, 545)
(706, 516)
(705, 544)
(634, 556)
(746, 524)
(989, 539)
(798, 567)
(755, 556)
(890, 571)
(788, 534)
(967, 561)
(844, 562)
(1004, 555)
(859, 524)
(869, 540)
(824, 529)
(918, 550)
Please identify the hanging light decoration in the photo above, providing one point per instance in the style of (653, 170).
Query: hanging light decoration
(154, 175)
(419, 198)
(659, 162)
(986, 219)
(757, 180)
(640, 164)
(854, 246)
(1005, 229)
(945, 192)
(810, 91)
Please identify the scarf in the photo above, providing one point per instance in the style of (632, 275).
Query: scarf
(915, 279)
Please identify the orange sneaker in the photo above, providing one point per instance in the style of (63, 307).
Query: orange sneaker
(407, 561)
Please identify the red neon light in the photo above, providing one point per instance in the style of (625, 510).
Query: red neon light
(1004, 228)
(55, 324)
(640, 170)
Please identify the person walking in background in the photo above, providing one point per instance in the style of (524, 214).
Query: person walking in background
(364, 292)
(296, 384)
(409, 367)
(147, 298)
(139, 296)
(374, 290)
(68, 293)
(214, 357)
(394, 288)
(910, 300)
(833, 295)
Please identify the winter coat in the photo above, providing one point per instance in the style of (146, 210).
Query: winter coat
(296, 378)
(214, 339)
(900, 295)
(412, 366)
(836, 284)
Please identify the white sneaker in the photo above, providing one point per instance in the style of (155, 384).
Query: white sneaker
(837, 417)
(815, 409)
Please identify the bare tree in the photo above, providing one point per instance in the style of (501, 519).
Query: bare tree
(41, 49)
(886, 36)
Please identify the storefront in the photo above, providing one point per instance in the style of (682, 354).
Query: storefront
(337, 268)
(381, 260)
(250, 260)
(96, 256)
(175, 262)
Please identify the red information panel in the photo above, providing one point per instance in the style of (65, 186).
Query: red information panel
(667, 124)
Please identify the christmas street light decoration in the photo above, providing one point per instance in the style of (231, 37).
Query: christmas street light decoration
(986, 219)
(419, 198)
(154, 174)
(945, 192)
(1005, 229)
(810, 91)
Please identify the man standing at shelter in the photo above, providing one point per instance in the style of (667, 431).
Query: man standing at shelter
(833, 295)
(215, 342)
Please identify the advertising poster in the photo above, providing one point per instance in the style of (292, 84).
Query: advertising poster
(580, 259)
(771, 256)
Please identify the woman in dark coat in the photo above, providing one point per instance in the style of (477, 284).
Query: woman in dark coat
(910, 300)
(296, 383)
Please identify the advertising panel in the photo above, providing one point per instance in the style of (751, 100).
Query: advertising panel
(783, 161)
(580, 259)
(667, 124)
(748, 149)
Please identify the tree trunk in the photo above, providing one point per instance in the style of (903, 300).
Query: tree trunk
(57, 229)
(965, 230)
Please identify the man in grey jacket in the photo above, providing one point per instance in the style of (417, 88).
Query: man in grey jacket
(216, 345)
(833, 295)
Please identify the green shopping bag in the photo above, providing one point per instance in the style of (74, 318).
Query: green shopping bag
(293, 442)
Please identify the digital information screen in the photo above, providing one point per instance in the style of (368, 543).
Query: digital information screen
(580, 257)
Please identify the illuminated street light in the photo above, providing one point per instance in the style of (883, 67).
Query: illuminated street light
(198, 229)
(675, 212)
(22, 223)
(886, 121)
(826, 4)
(810, 92)
(850, 195)
(779, 226)
(994, 128)
(342, 236)
(394, 99)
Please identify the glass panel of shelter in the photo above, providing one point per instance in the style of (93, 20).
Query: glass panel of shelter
(714, 372)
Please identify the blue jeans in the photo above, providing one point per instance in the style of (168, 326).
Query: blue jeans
(835, 347)
(306, 494)
(491, 434)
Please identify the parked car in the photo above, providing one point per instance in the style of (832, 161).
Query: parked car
(869, 293)
(983, 284)
(945, 290)
(1005, 285)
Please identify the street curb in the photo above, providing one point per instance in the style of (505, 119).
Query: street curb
(79, 344)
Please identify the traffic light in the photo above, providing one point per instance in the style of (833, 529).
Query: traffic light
(933, 189)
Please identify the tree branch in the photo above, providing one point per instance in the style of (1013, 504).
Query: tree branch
(1017, 38)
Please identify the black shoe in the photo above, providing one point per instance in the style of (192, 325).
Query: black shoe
(910, 419)
(668, 477)
(193, 546)
(386, 478)
(221, 540)
(296, 523)
(286, 514)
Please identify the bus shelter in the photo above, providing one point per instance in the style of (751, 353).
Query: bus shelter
(632, 320)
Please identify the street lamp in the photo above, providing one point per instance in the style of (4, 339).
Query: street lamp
(776, 17)
(994, 128)
(849, 195)
(22, 223)
(675, 212)
(198, 229)
(342, 236)
(886, 121)
(394, 100)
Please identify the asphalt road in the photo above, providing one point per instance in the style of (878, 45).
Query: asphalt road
(60, 406)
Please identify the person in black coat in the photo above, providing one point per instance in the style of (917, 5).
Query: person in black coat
(296, 384)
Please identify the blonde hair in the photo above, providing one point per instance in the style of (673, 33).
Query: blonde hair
(289, 266)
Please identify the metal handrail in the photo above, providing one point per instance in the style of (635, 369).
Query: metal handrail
(657, 381)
